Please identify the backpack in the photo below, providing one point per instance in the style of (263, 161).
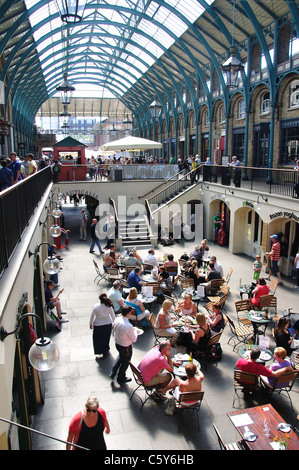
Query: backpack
(214, 354)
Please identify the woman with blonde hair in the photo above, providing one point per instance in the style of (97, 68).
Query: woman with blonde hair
(87, 427)
(133, 301)
(202, 334)
(163, 323)
(187, 306)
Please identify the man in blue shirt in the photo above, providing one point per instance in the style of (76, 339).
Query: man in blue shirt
(6, 176)
(134, 279)
(15, 166)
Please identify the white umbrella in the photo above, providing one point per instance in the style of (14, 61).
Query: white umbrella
(131, 144)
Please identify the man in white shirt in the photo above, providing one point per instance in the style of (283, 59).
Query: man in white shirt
(151, 258)
(125, 336)
(115, 296)
(217, 265)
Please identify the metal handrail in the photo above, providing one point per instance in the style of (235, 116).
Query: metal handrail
(8, 421)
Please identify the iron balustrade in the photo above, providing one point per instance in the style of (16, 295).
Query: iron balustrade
(17, 205)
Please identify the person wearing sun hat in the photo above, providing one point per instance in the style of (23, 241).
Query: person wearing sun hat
(274, 257)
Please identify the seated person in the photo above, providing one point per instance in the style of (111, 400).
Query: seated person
(134, 279)
(52, 301)
(280, 362)
(191, 384)
(253, 367)
(133, 301)
(115, 296)
(151, 258)
(261, 289)
(156, 367)
(164, 277)
(216, 320)
(136, 255)
(204, 247)
(282, 335)
(187, 306)
(166, 239)
(110, 260)
(163, 326)
(193, 273)
(170, 261)
(217, 265)
(131, 260)
(201, 336)
(211, 274)
(197, 255)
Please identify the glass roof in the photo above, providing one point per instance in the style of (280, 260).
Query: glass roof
(114, 45)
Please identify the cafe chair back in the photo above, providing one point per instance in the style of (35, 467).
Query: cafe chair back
(244, 381)
(148, 390)
(189, 401)
(239, 445)
(243, 306)
(240, 333)
(99, 275)
(283, 384)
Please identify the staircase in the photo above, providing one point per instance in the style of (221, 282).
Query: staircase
(134, 231)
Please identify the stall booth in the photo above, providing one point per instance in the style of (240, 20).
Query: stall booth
(71, 154)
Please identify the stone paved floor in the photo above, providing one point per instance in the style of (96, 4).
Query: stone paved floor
(78, 374)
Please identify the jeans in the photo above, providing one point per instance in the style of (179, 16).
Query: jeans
(93, 243)
(122, 362)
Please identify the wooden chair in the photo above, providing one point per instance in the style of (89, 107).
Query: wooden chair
(244, 381)
(273, 286)
(183, 267)
(204, 355)
(157, 338)
(224, 291)
(239, 445)
(173, 271)
(295, 360)
(190, 401)
(99, 275)
(186, 282)
(148, 390)
(215, 286)
(282, 384)
(170, 290)
(155, 285)
(269, 302)
(229, 275)
(243, 306)
(113, 275)
(147, 268)
(128, 269)
(240, 332)
(125, 287)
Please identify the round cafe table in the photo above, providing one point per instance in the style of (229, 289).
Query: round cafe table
(181, 360)
(265, 356)
(257, 319)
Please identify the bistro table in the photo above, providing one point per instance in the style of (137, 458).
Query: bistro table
(147, 300)
(254, 418)
(265, 356)
(244, 289)
(257, 319)
(179, 362)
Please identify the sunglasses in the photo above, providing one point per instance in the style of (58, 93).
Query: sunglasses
(91, 411)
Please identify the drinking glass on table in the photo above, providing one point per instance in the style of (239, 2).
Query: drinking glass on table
(266, 427)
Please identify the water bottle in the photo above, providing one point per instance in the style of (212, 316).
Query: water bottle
(190, 358)
(285, 313)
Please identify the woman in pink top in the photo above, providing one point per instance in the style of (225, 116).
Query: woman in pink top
(261, 289)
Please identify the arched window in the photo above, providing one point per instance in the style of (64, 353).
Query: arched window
(265, 103)
(221, 115)
(241, 109)
(294, 93)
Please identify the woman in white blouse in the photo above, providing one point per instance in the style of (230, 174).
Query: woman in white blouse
(101, 319)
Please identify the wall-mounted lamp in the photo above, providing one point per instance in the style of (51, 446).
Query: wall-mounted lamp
(55, 229)
(51, 263)
(257, 204)
(43, 354)
(224, 197)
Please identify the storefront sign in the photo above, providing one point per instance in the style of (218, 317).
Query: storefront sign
(288, 215)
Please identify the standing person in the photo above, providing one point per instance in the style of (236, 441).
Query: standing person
(235, 163)
(87, 427)
(15, 166)
(274, 257)
(83, 224)
(257, 267)
(216, 226)
(32, 164)
(296, 267)
(125, 336)
(6, 176)
(176, 221)
(94, 238)
(296, 185)
(55, 168)
(101, 319)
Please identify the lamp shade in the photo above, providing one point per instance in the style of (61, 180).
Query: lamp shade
(66, 90)
(155, 108)
(71, 11)
(51, 265)
(43, 354)
(231, 69)
(56, 213)
(55, 231)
